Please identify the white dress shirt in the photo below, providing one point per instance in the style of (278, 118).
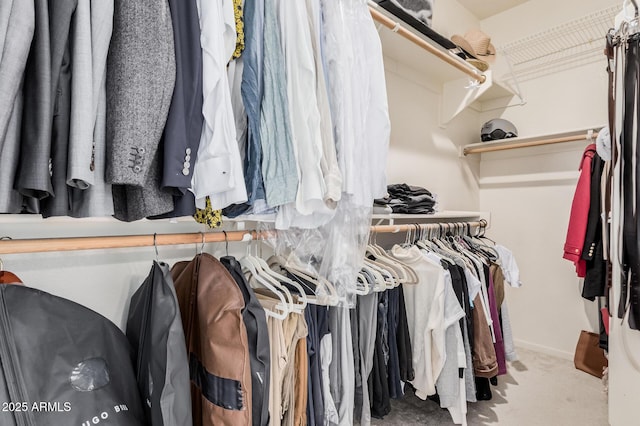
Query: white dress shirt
(358, 97)
(424, 304)
(218, 169)
(304, 115)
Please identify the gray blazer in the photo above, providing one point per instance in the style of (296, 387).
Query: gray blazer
(80, 172)
(97, 199)
(140, 80)
(17, 24)
(58, 203)
(33, 178)
(10, 199)
(61, 62)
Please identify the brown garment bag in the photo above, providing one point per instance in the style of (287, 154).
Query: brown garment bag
(211, 309)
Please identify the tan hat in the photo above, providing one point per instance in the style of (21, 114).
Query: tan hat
(480, 42)
(476, 43)
(469, 48)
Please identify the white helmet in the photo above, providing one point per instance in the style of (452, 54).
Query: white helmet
(496, 129)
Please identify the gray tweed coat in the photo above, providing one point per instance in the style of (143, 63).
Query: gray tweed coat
(141, 73)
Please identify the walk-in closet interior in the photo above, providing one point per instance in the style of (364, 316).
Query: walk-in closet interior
(319, 212)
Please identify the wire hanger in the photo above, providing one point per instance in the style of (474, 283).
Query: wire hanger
(155, 246)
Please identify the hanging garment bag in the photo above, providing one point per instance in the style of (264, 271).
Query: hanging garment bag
(154, 329)
(211, 309)
(62, 364)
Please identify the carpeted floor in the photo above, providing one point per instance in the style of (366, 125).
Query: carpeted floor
(539, 390)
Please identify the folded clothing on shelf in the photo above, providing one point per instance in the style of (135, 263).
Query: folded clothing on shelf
(403, 198)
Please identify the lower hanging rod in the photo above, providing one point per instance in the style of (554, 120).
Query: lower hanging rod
(393, 229)
(41, 245)
(121, 241)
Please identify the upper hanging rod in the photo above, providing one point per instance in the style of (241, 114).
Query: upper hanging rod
(126, 241)
(452, 60)
(475, 149)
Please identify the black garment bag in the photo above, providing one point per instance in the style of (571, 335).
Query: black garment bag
(62, 364)
(154, 328)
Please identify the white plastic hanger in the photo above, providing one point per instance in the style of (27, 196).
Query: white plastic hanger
(388, 281)
(379, 282)
(277, 279)
(362, 285)
(283, 306)
(252, 264)
(325, 293)
(294, 265)
(275, 263)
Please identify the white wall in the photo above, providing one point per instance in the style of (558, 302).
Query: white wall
(420, 152)
(530, 213)
(530, 200)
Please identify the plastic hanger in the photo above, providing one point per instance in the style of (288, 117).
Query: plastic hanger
(295, 267)
(277, 278)
(403, 274)
(362, 287)
(324, 291)
(283, 306)
(275, 262)
(388, 280)
(7, 277)
(287, 305)
(379, 283)
(263, 271)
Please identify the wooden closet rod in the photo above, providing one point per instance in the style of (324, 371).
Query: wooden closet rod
(122, 241)
(502, 147)
(126, 241)
(393, 229)
(452, 60)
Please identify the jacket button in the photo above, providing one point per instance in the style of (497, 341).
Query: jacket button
(141, 150)
(187, 165)
(185, 172)
(188, 151)
(137, 169)
(187, 157)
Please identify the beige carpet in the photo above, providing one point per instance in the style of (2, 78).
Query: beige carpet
(539, 390)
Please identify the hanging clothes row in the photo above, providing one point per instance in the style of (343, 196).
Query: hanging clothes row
(448, 315)
(153, 108)
(268, 341)
(430, 314)
(623, 51)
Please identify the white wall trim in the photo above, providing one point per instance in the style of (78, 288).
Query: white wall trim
(543, 349)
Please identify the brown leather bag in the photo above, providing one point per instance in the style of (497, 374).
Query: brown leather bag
(210, 306)
(589, 356)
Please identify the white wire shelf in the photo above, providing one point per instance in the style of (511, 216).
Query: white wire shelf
(575, 43)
